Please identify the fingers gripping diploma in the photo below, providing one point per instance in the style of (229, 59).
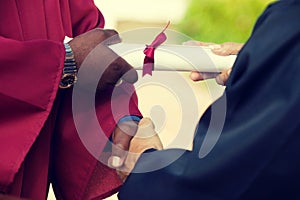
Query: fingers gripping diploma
(225, 49)
(102, 60)
(221, 78)
(145, 138)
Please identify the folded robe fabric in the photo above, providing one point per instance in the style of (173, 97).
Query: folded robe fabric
(31, 61)
(257, 154)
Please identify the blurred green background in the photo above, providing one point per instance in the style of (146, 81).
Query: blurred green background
(221, 20)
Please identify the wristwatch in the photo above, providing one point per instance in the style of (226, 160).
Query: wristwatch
(69, 75)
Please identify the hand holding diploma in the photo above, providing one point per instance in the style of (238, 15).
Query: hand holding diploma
(225, 49)
(83, 45)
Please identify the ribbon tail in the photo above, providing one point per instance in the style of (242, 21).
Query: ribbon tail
(148, 66)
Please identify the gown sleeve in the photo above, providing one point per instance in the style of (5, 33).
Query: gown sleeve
(29, 76)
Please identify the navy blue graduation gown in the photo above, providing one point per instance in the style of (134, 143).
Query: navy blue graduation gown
(257, 155)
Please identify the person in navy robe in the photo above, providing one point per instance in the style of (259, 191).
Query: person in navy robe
(250, 150)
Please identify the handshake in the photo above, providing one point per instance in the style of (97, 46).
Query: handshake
(145, 138)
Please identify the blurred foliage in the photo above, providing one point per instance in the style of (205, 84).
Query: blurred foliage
(221, 20)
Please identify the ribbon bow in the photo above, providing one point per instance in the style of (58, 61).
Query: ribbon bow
(148, 66)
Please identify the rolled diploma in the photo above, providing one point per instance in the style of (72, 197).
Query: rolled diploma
(175, 57)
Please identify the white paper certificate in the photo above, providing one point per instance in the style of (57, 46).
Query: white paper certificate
(175, 57)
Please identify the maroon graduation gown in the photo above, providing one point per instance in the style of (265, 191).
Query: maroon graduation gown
(31, 62)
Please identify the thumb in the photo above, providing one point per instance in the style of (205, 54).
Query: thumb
(199, 76)
(121, 140)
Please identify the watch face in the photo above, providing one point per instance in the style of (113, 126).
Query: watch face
(67, 80)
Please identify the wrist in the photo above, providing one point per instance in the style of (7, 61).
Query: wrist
(130, 118)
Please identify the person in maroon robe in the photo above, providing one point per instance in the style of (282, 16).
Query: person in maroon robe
(39, 143)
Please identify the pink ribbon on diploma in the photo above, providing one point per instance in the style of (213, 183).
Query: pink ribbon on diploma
(148, 66)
